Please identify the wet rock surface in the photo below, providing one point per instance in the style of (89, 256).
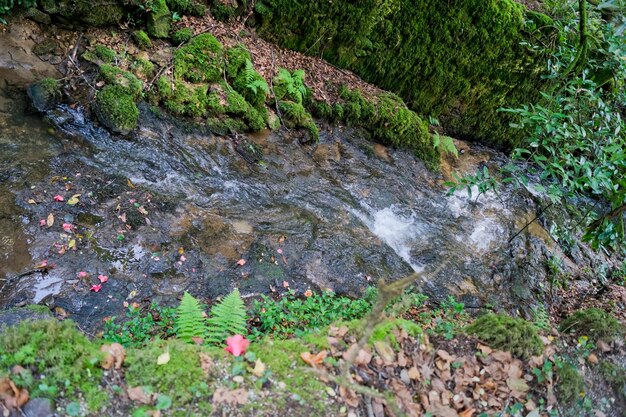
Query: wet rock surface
(173, 209)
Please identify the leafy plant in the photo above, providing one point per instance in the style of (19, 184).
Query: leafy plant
(292, 314)
(141, 326)
(228, 317)
(482, 182)
(445, 144)
(253, 82)
(541, 318)
(290, 86)
(190, 322)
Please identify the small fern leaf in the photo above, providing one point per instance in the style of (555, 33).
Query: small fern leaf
(189, 320)
(447, 145)
(228, 317)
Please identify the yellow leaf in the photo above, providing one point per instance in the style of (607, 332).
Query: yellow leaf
(72, 244)
(130, 183)
(73, 200)
(50, 220)
(163, 358)
(259, 368)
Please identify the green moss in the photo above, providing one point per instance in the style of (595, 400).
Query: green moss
(181, 377)
(100, 54)
(236, 57)
(507, 333)
(44, 93)
(59, 360)
(595, 323)
(225, 100)
(225, 125)
(295, 115)
(116, 109)
(143, 67)
(461, 68)
(200, 60)
(570, 384)
(187, 100)
(384, 332)
(125, 80)
(142, 39)
(182, 36)
(224, 12)
(189, 7)
(159, 20)
(288, 367)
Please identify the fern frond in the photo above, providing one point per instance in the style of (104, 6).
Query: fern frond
(228, 317)
(249, 72)
(189, 321)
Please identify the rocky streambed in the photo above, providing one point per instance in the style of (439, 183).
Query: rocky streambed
(90, 221)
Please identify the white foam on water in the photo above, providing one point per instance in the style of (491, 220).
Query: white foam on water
(395, 229)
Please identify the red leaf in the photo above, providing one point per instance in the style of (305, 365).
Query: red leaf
(96, 288)
(58, 198)
(237, 344)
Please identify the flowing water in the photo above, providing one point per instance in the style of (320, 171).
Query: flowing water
(176, 209)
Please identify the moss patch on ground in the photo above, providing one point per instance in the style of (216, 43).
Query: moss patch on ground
(200, 60)
(502, 332)
(595, 323)
(57, 359)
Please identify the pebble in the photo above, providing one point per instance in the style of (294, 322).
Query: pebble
(39, 407)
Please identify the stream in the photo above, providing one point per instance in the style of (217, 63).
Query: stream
(176, 209)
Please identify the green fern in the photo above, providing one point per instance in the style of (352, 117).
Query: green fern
(228, 317)
(189, 320)
(290, 86)
(445, 143)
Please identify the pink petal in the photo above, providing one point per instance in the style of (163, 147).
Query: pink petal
(58, 198)
(280, 251)
(42, 222)
(237, 344)
(82, 274)
(96, 288)
(182, 258)
(103, 278)
(68, 227)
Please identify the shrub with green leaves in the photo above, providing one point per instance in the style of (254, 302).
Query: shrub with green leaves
(506, 333)
(140, 326)
(290, 86)
(294, 314)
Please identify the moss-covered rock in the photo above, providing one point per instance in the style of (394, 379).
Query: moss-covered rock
(128, 82)
(58, 350)
(227, 10)
(116, 109)
(461, 68)
(386, 331)
(142, 39)
(502, 332)
(100, 55)
(200, 60)
(44, 94)
(183, 99)
(295, 115)
(143, 67)
(182, 36)
(236, 58)
(189, 7)
(159, 21)
(92, 12)
(595, 323)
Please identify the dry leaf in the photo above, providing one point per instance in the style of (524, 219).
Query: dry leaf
(259, 368)
(385, 352)
(205, 363)
(114, 355)
(163, 358)
(349, 396)
(313, 360)
(363, 357)
(73, 200)
(231, 397)
(137, 394)
(50, 220)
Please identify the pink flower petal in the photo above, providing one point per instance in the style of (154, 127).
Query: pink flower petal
(237, 345)
(103, 278)
(96, 288)
(182, 258)
(58, 198)
(68, 227)
(42, 222)
(280, 251)
(82, 274)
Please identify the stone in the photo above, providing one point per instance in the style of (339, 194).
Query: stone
(159, 21)
(38, 16)
(44, 94)
(39, 407)
(14, 316)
